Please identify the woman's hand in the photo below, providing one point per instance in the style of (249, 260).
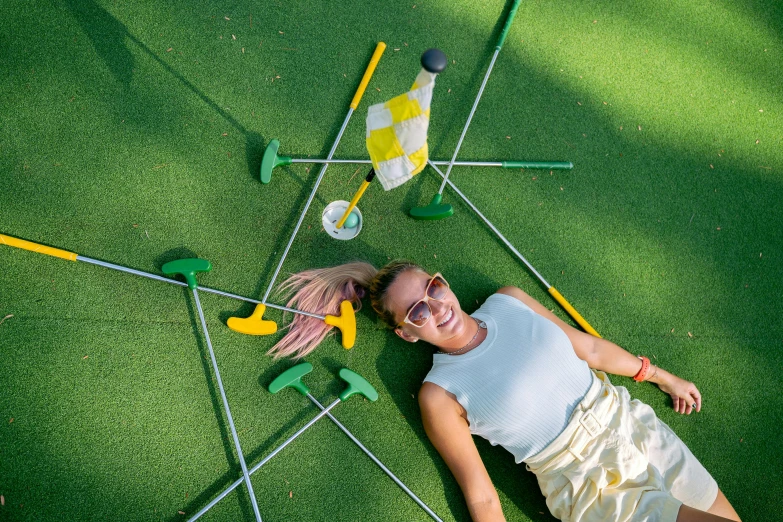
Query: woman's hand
(684, 394)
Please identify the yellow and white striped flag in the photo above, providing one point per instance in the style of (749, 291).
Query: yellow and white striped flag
(397, 133)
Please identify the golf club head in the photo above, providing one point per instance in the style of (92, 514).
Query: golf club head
(292, 377)
(435, 210)
(356, 384)
(253, 325)
(187, 268)
(346, 323)
(270, 160)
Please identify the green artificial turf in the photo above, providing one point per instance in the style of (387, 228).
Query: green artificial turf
(132, 132)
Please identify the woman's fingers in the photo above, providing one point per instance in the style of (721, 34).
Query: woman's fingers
(697, 399)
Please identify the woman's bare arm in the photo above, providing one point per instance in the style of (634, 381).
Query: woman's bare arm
(606, 356)
(449, 432)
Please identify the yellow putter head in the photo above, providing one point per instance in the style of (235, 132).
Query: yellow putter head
(346, 322)
(253, 325)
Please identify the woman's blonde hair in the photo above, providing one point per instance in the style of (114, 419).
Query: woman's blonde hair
(322, 290)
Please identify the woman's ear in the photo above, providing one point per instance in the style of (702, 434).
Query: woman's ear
(405, 335)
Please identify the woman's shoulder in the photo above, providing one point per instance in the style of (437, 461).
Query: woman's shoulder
(508, 297)
(433, 398)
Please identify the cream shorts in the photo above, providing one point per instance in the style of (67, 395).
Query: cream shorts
(617, 461)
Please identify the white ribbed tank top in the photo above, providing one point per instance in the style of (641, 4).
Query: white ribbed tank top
(520, 385)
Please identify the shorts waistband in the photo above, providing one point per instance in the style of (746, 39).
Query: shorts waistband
(588, 420)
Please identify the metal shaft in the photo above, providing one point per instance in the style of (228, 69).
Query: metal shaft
(227, 409)
(181, 283)
(266, 459)
(470, 117)
(307, 206)
(492, 227)
(378, 462)
(366, 161)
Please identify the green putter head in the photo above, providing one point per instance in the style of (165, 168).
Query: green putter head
(356, 384)
(433, 211)
(292, 377)
(187, 268)
(270, 160)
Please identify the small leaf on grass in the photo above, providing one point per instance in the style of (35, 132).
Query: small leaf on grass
(85, 357)
(290, 494)
(690, 334)
(181, 512)
(2, 500)
(169, 49)
(10, 420)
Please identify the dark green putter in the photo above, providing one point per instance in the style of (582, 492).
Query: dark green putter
(187, 268)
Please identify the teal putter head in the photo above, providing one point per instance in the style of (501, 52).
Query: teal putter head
(187, 268)
(356, 384)
(270, 160)
(435, 210)
(292, 377)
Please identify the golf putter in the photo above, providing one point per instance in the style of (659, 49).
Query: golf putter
(293, 378)
(270, 160)
(436, 209)
(346, 321)
(551, 289)
(356, 384)
(188, 268)
(352, 107)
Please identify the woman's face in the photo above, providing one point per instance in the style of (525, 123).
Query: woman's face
(447, 322)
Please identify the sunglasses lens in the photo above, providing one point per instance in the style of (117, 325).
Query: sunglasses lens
(437, 288)
(419, 313)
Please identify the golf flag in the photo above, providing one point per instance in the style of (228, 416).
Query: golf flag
(397, 133)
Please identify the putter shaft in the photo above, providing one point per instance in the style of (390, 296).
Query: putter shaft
(354, 103)
(181, 283)
(551, 289)
(375, 459)
(470, 117)
(503, 164)
(266, 459)
(245, 473)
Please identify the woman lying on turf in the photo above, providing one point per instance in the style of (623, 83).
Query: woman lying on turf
(517, 375)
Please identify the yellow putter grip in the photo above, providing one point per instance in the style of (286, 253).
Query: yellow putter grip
(572, 312)
(35, 247)
(346, 322)
(376, 56)
(353, 203)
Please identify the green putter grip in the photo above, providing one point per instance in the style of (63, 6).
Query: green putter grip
(507, 26)
(546, 165)
(292, 377)
(356, 384)
(187, 268)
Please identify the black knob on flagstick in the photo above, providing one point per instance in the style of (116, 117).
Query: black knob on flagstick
(434, 61)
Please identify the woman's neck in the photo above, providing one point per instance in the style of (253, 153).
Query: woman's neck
(471, 336)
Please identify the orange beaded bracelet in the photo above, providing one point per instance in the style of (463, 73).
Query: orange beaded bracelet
(639, 377)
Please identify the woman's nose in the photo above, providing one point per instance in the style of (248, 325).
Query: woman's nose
(438, 306)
